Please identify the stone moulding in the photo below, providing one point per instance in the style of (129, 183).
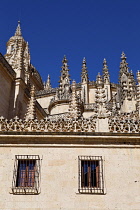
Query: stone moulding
(118, 124)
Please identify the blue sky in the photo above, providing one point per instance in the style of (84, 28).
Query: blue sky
(95, 29)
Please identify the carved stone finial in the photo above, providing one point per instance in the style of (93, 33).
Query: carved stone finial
(31, 113)
(127, 83)
(99, 80)
(84, 74)
(123, 64)
(106, 77)
(18, 30)
(74, 109)
(123, 56)
(64, 82)
(48, 83)
(138, 76)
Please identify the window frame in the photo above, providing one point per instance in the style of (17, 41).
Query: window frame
(26, 174)
(90, 175)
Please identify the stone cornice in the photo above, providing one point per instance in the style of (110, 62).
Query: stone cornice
(78, 138)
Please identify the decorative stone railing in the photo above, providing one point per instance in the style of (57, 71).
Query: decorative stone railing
(124, 123)
(48, 125)
(63, 123)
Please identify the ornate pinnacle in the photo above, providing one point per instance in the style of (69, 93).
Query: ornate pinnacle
(65, 77)
(106, 76)
(84, 62)
(48, 83)
(18, 30)
(31, 114)
(64, 59)
(123, 65)
(65, 64)
(138, 76)
(74, 109)
(84, 74)
(99, 79)
(123, 56)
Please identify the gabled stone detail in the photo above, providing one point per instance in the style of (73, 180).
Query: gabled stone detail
(74, 108)
(106, 76)
(84, 74)
(31, 112)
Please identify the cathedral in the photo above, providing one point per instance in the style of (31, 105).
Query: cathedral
(76, 146)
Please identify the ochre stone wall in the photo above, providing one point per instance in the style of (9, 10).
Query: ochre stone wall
(5, 92)
(59, 178)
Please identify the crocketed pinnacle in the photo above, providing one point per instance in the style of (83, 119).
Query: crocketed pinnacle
(31, 113)
(48, 83)
(106, 76)
(65, 77)
(99, 81)
(18, 30)
(84, 74)
(123, 64)
(65, 64)
(74, 109)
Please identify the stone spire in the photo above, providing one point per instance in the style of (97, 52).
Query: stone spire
(65, 77)
(31, 113)
(18, 55)
(84, 74)
(74, 109)
(64, 83)
(106, 77)
(126, 80)
(48, 83)
(123, 64)
(138, 93)
(127, 89)
(18, 30)
(100, 97)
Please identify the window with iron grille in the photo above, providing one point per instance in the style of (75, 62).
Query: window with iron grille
(26, 175)
(91, 174)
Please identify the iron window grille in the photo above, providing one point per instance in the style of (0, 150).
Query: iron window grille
(91, 174)
(26, 175)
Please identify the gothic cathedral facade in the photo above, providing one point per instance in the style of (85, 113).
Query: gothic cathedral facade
(76, 146)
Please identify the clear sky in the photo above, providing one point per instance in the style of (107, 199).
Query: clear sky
(95, 29)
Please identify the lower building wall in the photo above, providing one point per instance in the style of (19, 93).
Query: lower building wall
(59, 178)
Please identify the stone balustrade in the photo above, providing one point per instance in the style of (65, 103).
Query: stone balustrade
(116, 124)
